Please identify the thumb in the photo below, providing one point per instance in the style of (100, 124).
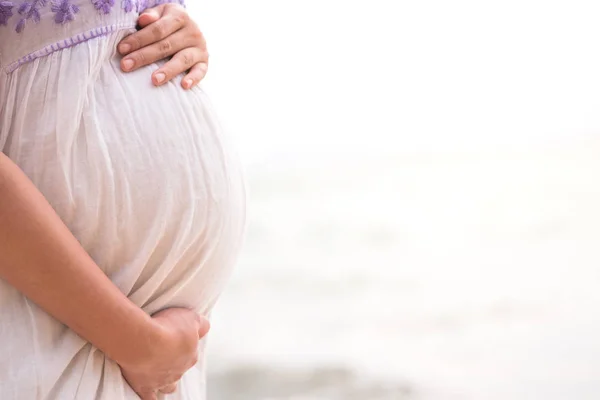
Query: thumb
(149, 16)
(203, 326)
(148, 395)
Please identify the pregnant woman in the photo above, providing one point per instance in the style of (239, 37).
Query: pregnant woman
(121, 207)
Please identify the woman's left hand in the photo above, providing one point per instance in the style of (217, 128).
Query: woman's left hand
(167, 30)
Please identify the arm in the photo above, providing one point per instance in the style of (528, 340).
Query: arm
(41, 258)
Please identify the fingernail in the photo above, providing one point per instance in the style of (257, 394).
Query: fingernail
(127, 64)
(187, 83)
(159, 77)
(124, 48)
(204, 327)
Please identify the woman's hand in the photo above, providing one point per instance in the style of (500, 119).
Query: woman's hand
(167, 30)
(175, 351)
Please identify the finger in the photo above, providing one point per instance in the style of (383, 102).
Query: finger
(150, 54)
(196, 74)
(158, 51)
(150, 15)
(203, 327)
(181, 62)
(148, 395)
(170, 21)
(169, 388)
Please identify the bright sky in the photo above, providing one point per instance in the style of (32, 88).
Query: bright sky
(372, 76)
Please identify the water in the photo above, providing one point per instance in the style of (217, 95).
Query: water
(424, 190)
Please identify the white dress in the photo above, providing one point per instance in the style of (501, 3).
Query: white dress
(142, 176)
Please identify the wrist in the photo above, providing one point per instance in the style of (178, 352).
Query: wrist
(138, 343)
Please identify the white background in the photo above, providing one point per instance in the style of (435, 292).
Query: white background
(424, 183)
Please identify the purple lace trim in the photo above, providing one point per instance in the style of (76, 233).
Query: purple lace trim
(128, 5)
(29, 11)
(103, 6)
(64, 11)
(141, 5)
(5, 11)
(63, 44)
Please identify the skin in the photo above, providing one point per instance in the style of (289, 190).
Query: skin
(149, 378)
(166, 31)
(42, 259)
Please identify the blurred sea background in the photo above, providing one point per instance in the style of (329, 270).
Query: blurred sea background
(424, 199)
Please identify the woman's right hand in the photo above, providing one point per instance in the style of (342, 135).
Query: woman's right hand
(175, 351)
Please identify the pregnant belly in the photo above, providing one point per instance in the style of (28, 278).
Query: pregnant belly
(142, 176)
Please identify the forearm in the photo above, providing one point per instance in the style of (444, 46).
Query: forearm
(41, 258)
